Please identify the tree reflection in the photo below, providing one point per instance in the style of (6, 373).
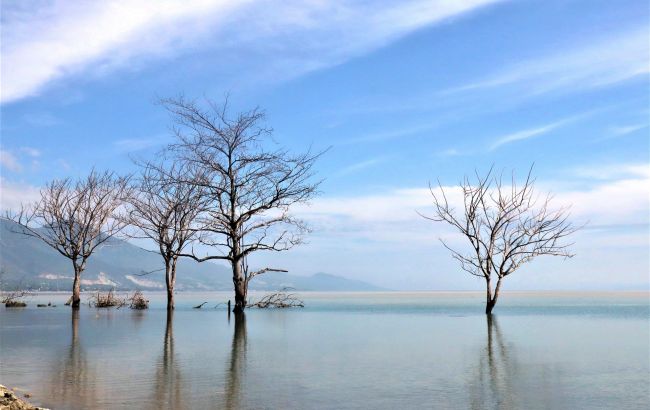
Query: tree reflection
(168, 387)
(495, 375)
(237, 368)
(74, 381)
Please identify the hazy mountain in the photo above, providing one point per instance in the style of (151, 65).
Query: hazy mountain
(30, 263)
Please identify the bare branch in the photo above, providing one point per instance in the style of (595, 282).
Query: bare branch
(506, 227)
(247, 186)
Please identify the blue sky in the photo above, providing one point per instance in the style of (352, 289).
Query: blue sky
(404, 92)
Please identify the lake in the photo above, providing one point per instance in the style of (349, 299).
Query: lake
(392, 350)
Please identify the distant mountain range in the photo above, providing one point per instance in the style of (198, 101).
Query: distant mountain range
(28, 262)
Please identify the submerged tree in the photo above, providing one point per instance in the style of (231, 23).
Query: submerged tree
(164, 209)
(249, 187)
(75, 218)
(507, 226)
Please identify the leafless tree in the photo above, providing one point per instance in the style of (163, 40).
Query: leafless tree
(250, 187)
(164, 208)
(75, 218)
(12, 298)
(506, 225)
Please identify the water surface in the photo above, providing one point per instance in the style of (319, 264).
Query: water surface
(343, 350)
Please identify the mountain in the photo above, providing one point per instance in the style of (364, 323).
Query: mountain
(28, 262)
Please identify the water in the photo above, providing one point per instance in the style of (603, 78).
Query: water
(354, 350)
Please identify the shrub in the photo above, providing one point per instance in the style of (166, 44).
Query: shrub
(109, 299)
(138, 301)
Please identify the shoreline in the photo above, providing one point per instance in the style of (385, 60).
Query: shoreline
(9, 400)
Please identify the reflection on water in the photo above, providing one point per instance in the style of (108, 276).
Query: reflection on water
(494, 375)
(168, 391)
(72, 374)
(345, 352)
(237, 367)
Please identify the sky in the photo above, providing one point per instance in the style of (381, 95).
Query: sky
(405, 93)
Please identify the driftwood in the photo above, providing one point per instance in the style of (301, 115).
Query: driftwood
(109, 299)
(138, 301)
(200, 306)
(13, 298)
(15, 303)
(281, 299)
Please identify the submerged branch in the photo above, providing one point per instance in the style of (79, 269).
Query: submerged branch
(281, 299)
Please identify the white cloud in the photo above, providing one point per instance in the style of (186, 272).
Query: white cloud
(534, 132)
(627, 129)
(525, 134)
(32, 152)
(137, 144)
(389, 134)
(609, 61)
(619, 202)
(613, 171)
(43, 119)
(46, 42)
(361, 165)
(392, 216)
(9, 161)
(63, 164)
(12, 194)
(450, 152)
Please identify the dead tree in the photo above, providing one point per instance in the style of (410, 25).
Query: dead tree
(506, 226)
(249, 186)
(163, 208)
(12, 298)
(75, 218)
(284, 298)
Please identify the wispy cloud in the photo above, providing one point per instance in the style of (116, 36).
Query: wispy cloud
(32, 152)
(41, 119)
(627, 129)
(613, 171)
(12, 194)
(450, 152)
(9, 161)
(389, 134)
(620, 197)
(541, 130)
(138, 144)
(526, 134)
(43, 42)
(607, 62)
(361, 165)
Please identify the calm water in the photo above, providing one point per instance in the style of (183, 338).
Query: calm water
(372, 350)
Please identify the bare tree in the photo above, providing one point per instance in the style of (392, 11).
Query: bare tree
(75, 218)
(506, 226)
(249, 186)
(12, 298)
(164, 209)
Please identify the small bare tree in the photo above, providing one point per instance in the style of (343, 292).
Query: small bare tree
(12, 298)
(249, 186)
(164, 209)
(75, 218)
(506, 226)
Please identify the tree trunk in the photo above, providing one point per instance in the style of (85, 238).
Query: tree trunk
(491, 298)
(76, 286)
(241, 287)
(170, 281)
